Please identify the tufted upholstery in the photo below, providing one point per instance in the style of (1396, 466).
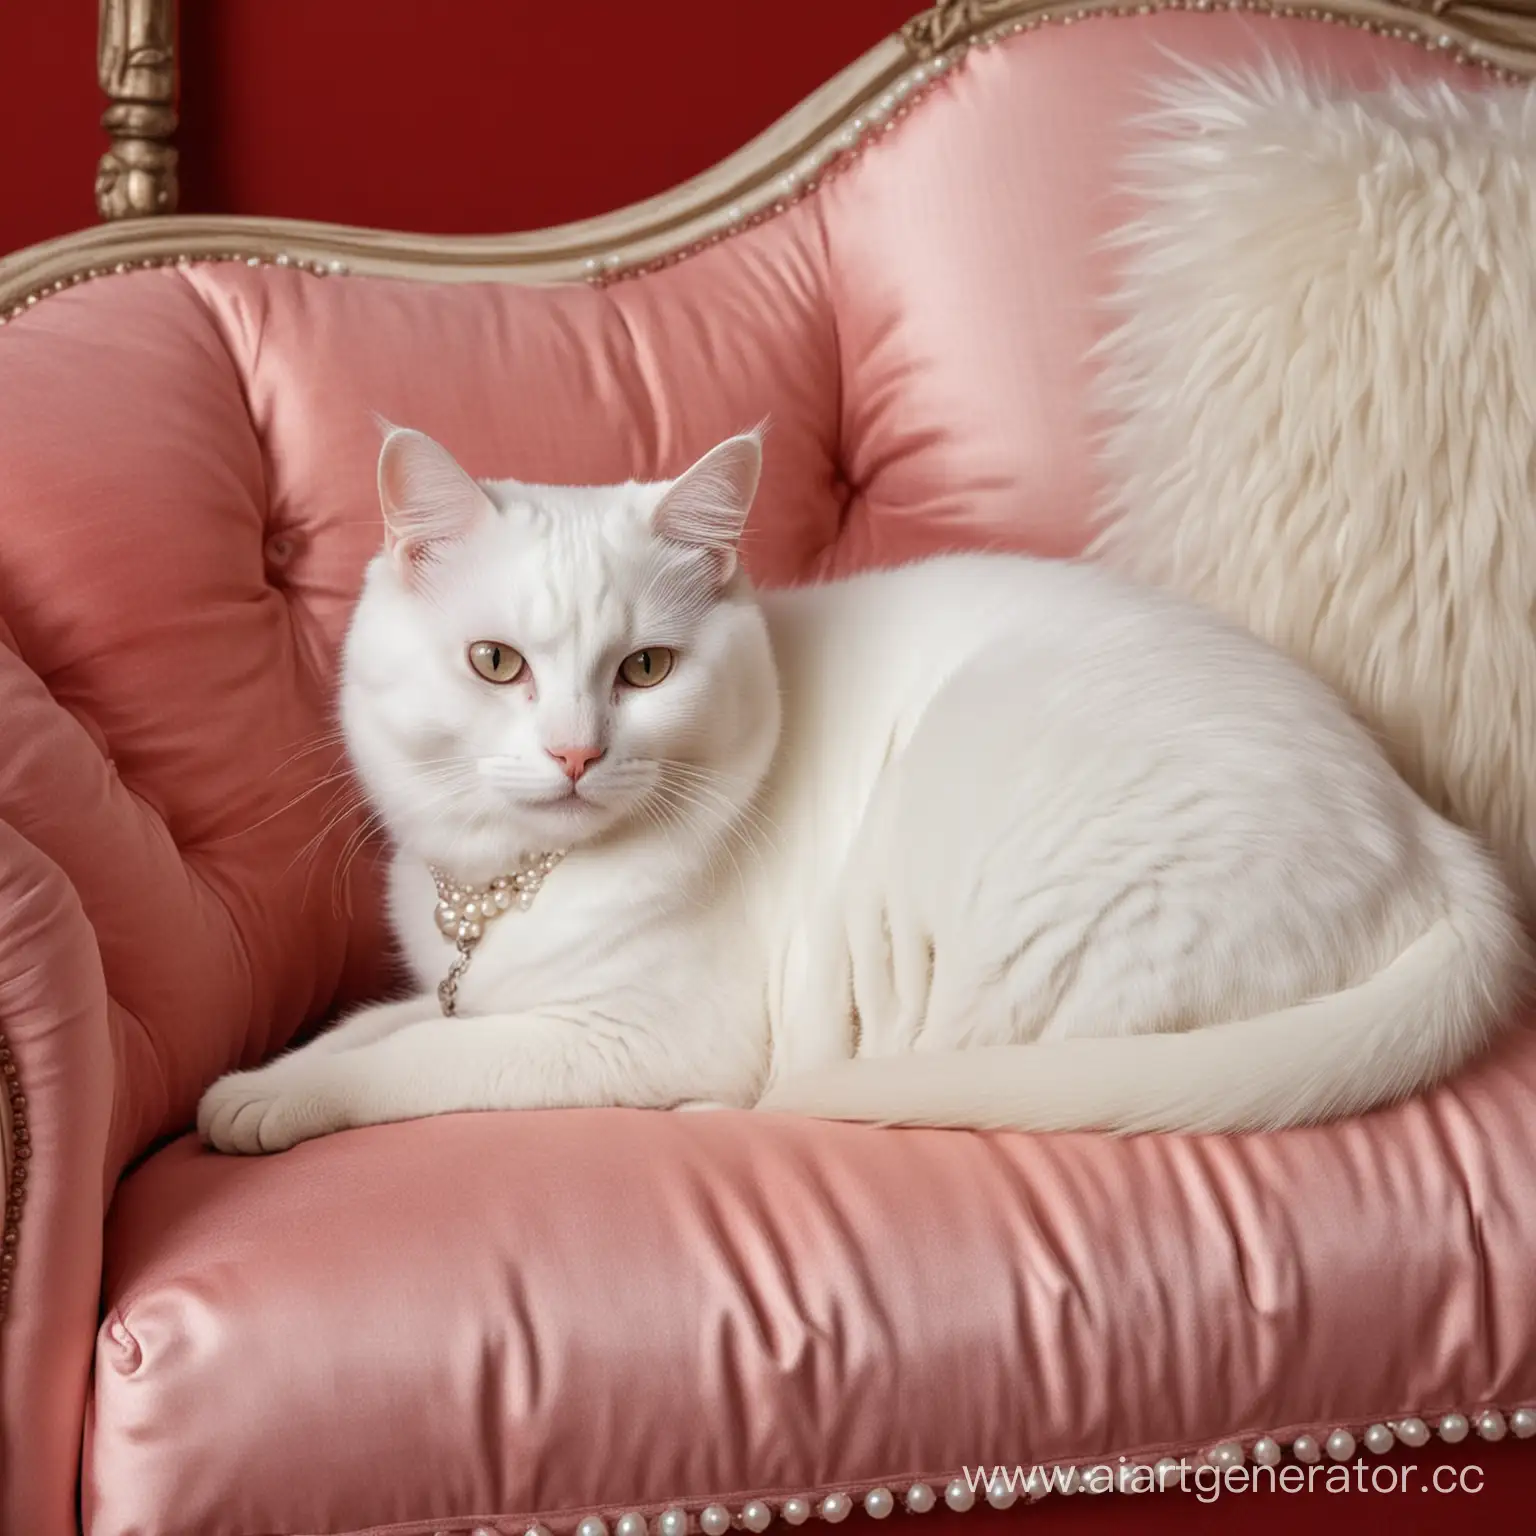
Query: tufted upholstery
(545, 1315)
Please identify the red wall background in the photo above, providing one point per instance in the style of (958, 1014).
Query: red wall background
(456, 115)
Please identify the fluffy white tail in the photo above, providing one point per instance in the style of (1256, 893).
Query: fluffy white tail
(1401, 1030)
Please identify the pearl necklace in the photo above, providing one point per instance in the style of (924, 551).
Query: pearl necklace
(463, 911)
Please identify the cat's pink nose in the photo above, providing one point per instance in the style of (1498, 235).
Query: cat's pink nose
(575, 760)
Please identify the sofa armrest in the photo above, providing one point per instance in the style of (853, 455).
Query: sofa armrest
(56, 1065)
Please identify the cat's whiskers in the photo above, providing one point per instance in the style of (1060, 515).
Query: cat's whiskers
(344, 805)
(680, 797)
(736, 790)
(349, 797)
(339, 780)
(332, 737)
(667, 818)
(373, 825)
(737, 818)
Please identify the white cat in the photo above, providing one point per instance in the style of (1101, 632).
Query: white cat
(983, 841)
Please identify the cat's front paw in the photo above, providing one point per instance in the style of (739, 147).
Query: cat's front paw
(266, 1111)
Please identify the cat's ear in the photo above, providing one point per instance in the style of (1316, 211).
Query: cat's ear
(427, 499)
(706, 507)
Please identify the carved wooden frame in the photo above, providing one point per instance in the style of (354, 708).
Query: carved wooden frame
(137, 178)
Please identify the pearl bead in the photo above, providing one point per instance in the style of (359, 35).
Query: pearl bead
(1001, 1494)
(1266, 1451)
(1453, 1428)
(1412, 1432)
(1037, 1484)
(1224, 1456)
(836, 1508)
(630, 1525)
(756, 1516)
(537, 1530)
(593, 1525)
(959, 1495)
(1341, 1445)
(1305, 1448)
(920, 1497)
(674, 1522)
(1378, 1438)
(1491, 1425)
(878, 1503)
(1072, 1482)
(1167, 1473)
(714, 1520)
(795, 1511)
(1523, 1422)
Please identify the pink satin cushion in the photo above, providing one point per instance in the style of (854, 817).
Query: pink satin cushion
(503, 1316)
(497, 1318)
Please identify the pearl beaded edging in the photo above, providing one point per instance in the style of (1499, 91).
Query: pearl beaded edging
(960, 1494)
(318, 267)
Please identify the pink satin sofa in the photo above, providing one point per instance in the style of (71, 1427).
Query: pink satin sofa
(482, 1322)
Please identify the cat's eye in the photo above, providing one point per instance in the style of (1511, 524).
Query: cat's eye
(644, 669)
(495, 662)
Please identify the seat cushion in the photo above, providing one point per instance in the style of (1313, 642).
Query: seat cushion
(499, 1318)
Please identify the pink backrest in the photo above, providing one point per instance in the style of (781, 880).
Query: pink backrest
(188, 492)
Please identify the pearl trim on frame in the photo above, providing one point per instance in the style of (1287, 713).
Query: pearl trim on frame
(833, 1506)
(318, 267)
(960, 1495)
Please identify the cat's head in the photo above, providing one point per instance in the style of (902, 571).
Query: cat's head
(534, 667)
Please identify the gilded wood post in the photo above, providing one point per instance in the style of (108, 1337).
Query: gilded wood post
(136, 65)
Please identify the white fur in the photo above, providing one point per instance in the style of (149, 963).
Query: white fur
(1037, 848)
(1321, 398)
